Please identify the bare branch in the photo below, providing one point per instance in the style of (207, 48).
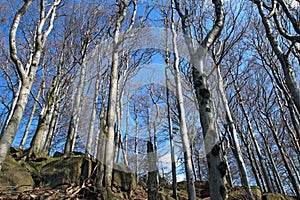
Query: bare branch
(12, 39)
(217, 27)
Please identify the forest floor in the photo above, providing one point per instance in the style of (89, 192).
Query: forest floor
(71, 177)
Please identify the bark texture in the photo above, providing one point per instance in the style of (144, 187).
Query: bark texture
(26, 73)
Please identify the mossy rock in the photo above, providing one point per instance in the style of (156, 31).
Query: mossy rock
(276, 196)
(181, 185)
(15, 176)
(123, 178)
(239, 193)
(16, 153)
(66, 171)
(165, 194)
(35, 174)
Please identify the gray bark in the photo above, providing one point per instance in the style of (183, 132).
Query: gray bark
(288, 70)
(112, 100)
(26, 132)
(113, 87)
(152, 173)
(183, 127)
(217, 167)
(234, 139)
(100, 154)
(39, 140)
(27, 73)
(76, 107)
(174, 179)
(89, 141)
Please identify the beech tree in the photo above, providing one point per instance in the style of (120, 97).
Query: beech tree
(280, 11)
(67, 74)
(26, 71)
(112, 100)
(217, 167)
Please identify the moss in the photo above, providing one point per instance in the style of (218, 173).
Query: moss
(16, 176)
(123, 177)
(239, 193)
(276, 196)
(62, 172)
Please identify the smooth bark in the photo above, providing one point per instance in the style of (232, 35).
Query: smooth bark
(217, 167)
(182, 116)
(233, 137)
(26, 73)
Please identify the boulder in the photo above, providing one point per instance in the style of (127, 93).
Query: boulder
(238, 192)
(66, 171)
(123, 178)
(276, 196)
(15, 176)
(201, 187)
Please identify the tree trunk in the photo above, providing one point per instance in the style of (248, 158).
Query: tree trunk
(136, 142)
(100, 154)
(288, 70)
(174, 178)
(76, 108)
(200, 175)
(292, 177)
(113, 87)
(89, 141)
(152, 173)
(52, 127)
(9, 131)
(27, 74)
(39, 140)
(234, 140)
(216, 166)
(183, 127)
(24, 138)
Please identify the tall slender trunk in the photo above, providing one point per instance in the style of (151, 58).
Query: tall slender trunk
(292, 177)
(91, 132)
(27, 74)
(200, 175)
(216, 166)
(52, 127)
(174, 178)
(9, 131)
(28, 125)
(288, 70)
(234, 140)
(193, 162)
(40, 136)
(152, 173)
(155, 124)
(76, 108)
(100, 154)
(183, 127)
(136, 142)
